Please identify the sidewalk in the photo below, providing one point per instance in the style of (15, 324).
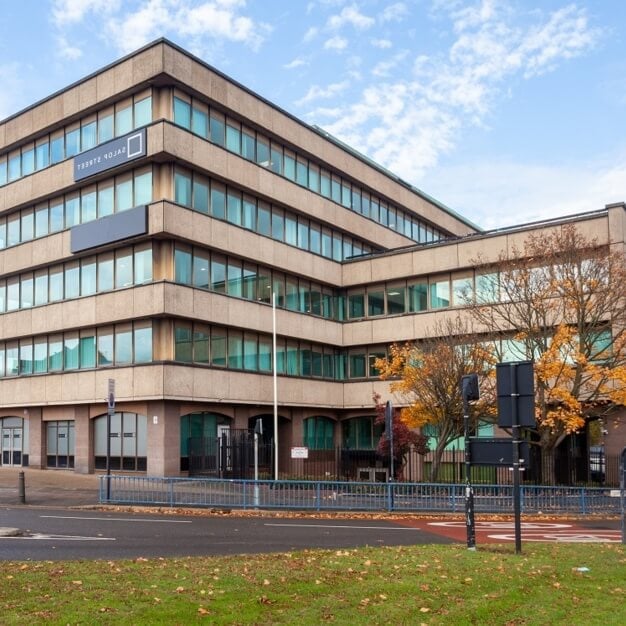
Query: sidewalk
(48, 487)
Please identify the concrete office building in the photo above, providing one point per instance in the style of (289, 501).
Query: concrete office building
(147, 215)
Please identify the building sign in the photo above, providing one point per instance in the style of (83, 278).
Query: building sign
(108, 229)
(110, 154)
(299, 453)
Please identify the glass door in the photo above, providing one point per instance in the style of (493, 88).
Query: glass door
(12, 446)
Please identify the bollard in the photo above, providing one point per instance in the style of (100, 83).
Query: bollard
(21, 488)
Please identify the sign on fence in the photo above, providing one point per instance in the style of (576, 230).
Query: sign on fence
(299, 452)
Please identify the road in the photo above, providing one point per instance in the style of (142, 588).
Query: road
(60, 534)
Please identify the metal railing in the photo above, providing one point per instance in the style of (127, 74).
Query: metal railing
(352, 496)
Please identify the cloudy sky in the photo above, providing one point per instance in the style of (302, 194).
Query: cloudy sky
(505, 110)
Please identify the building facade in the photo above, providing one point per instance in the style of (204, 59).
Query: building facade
(151, 214)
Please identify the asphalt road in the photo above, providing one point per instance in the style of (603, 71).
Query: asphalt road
(60, 534)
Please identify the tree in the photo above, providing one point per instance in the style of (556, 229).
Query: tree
(560, 302)
(404, 438)
(428, 377)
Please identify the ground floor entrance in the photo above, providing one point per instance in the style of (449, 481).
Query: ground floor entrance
(13, 442)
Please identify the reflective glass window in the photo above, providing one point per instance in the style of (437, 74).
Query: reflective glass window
(55, 353)
(57, 149)
(123, 194)
(41, 287)
(72, 280)
(105, 128)
(233, 138)
(143, 188)
(88, 273)
(41, 221)
(218, 274)
(72, 142)
(88, 135)
(182, 189)
(143, 265)
(28, 225)
(201, 196)
(123, 121)
(87, 350)
(105, 272)
(42, 155)
(55, 283)
(199, 122)
(234, 207)
(105, 346)
(395, 300)
(143, 112)
(40, 356)
(123, 268)
(440, 294)
(72, 210)
(26, 291)
(123, 345)
(15, 166)
(262, 152)
(217, 128)
(88, 206)
(142, 337)
(28, 161)
(71, 351)
(105, 200)
(26, 356)
(182, 113)
(201, 270)
(218, 201)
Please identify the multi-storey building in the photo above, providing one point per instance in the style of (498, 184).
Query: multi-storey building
(149, 215)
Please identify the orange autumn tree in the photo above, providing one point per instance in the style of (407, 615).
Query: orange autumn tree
(559, 301)
(427, 376)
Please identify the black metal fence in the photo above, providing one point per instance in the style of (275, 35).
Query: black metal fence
(232, 456)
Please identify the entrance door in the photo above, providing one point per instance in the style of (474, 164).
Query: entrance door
(12, 446)
(225, 456)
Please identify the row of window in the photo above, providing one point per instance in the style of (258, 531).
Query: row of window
(120, 344)
(213, 125)
(224, 274)
(250, 351)
(90, 203)
(77, 137)
(229, 204)
(84, 277)
(200, 268)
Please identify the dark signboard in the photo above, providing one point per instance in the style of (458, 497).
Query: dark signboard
(515, 388)
(485, 451)
(110, 154)
(108, 229)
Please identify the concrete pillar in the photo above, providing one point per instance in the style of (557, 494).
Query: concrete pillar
(83, 441)
(163, 438)
(36, 449)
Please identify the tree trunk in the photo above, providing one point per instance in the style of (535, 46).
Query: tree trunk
(436, 464)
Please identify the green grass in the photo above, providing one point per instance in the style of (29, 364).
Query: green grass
(400, 585)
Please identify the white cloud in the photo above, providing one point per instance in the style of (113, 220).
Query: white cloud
(67, 51)
(336, 43)
(383, 68)
(408, 122)
(310, 34)
(131, 26)
(350, 15)
(316, 92)
(72, 11)
(394, 12)
(381, 43)
(522, 192)
(297, 62)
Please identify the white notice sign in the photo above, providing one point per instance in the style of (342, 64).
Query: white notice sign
(299, 453)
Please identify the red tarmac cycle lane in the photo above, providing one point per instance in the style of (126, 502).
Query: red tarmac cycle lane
(503, 531)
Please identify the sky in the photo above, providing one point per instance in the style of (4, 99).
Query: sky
(506, 111)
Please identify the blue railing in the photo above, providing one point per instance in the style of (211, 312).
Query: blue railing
(351, 496)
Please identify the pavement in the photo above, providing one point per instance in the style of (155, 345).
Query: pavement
(48, 487)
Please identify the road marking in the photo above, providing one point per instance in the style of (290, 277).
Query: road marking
(483, 526)
(42, 536)
(121, 519)
(346, 527)
(568, 537)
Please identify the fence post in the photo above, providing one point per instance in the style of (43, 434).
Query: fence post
(318, 495)
(171, 492)
(389, 497)
(583, 501)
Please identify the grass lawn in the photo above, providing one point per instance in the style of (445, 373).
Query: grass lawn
(400, 585)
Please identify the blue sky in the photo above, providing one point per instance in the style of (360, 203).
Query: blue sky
(506, 111)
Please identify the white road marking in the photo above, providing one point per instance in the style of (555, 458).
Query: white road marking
(121, 519)
(42, 536)
(503, 525)
(568, 537)
(346, 527)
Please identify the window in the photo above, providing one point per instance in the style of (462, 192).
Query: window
(142, 347)
(395, 300)
(87, 349)
(318, 433)
(182, 113)
(123, 344)
(440, 294)
(375, 302)
(105, 346)
(123, 268)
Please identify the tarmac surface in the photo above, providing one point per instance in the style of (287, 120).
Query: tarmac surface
(48, 487)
